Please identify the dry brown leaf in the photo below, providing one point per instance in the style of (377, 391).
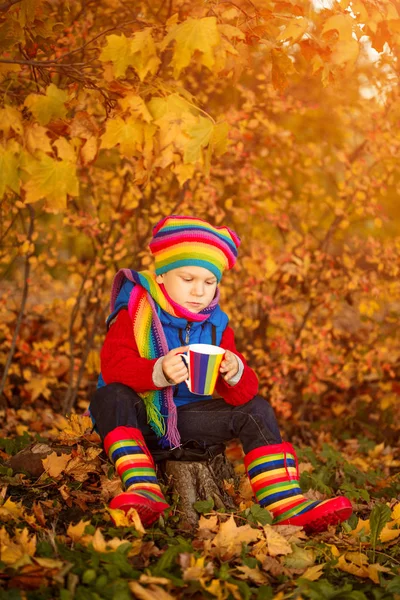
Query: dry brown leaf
(39, 514)
(277, 544)
(273, 566)
(109, 487)
(254, 575)
(194, 568)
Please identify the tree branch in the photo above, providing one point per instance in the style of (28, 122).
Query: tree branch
(4, 7)
(23, 302)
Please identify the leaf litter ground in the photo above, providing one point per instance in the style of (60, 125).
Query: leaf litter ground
(58, 540)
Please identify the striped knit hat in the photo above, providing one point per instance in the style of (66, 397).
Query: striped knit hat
(186, 241)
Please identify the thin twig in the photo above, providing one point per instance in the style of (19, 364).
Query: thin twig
(23, 301)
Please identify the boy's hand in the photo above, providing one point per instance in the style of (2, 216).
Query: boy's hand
(174, 368)
(229, 366)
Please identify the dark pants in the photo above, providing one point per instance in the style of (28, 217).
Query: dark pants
(200, 424)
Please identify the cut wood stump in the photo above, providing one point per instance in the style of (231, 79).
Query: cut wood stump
(193, 481)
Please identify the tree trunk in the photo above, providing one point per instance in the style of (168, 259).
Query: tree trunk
(194, 481)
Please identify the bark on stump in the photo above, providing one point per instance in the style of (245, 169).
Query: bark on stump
(194, 481)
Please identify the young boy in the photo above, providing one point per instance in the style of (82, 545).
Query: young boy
(143, 403)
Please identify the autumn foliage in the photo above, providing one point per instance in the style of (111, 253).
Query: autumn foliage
(279, 119)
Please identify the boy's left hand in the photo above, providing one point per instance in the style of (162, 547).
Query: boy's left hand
(229, 366)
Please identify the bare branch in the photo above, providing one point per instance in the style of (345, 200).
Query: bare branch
(23, 302)
(7, 5)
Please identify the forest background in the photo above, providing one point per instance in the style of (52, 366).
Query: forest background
(279, 119)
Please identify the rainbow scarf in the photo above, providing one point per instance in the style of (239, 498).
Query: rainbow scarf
(152, 343)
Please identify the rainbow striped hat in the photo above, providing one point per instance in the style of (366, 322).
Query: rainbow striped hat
(186, 241)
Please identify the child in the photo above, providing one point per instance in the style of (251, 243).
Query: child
(143, 402)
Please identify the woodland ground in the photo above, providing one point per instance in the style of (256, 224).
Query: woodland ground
(58, 540)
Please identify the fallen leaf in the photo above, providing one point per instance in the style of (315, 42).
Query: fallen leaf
(54, 465)
(313, 573)
(76, 532)
(277, 544)
(154, 592)
(230, 538)
(254, 575)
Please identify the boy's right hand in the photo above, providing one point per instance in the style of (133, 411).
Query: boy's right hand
(173, 366)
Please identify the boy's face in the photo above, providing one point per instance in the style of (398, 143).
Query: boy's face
(191, 287)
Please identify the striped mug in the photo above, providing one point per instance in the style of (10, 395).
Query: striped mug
(203, 362)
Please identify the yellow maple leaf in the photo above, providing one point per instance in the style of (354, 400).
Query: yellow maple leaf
(277, 544)
(145, 59)
(183, 172)
(136, 106)
(388, 534)
(54, 465)
(51, 179)
(76, 532)
(363, 526)
(208, 524)
(355, 563)
(37, 139)
(345, 51)
(38, 386)
(14, 551)
(230, 537)
(101, 545)
(11, 510)
(193, 35)
(219, 140)
(65, 150)
(10, 118)
(129, 519)
(343, 24)
(47, 107)
(313, 573)
(396, 513)
(138, 52)
(200, 134)
(75, 425)
(118, 51)
(295, 30)
(9, 169)
(128, 134)
(374, 570)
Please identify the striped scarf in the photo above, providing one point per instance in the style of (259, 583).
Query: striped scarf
(152, 343)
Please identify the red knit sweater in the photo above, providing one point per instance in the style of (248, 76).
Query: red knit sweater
(121, 362)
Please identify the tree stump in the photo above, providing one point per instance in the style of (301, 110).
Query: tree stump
(194, 481)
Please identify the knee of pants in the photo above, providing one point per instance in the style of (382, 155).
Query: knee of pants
(260, 406)
(261, 409)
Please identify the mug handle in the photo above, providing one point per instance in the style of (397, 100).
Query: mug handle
(185, 359)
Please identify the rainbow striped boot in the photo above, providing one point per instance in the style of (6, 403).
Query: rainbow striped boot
(274, 476)
(127, 449)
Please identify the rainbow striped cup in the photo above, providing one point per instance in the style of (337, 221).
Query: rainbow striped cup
(203, 361)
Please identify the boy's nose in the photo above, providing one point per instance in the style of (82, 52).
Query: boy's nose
(198, 289)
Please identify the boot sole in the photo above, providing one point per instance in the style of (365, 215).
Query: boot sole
(148, 513)
(321, 519)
